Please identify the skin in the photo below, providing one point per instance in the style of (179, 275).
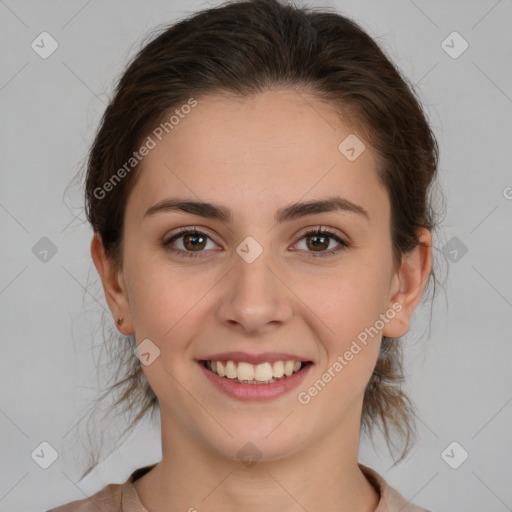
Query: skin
(255, 156)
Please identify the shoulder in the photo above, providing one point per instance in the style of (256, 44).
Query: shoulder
(107, 499)
(112, 498)
(390, 499)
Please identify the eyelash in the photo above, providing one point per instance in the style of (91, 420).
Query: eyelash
(315, 232)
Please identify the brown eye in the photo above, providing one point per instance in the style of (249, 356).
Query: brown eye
(317, 242)
(188, 242)
(194, 242)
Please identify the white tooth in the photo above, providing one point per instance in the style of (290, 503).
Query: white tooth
(278, 369)
(212, 366)
(245, 371)
(263, 372)
(220, 369)
(230, 370)
(296, 366)
(288, 368)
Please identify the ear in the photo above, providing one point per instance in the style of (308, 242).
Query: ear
(113, 286)
(408, 285)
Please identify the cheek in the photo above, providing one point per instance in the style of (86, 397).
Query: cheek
(351, 310)
(170, 306)
(350, 306)
(167, 306)
(348, 302)
(159, 296)
(163, 304)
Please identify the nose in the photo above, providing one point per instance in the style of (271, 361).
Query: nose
(254, 296)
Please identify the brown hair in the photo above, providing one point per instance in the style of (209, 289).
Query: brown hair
(243, 48)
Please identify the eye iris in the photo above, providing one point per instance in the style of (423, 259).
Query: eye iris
(195, 244)
(317, 244)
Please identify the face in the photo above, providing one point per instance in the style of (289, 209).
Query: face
(255, 281)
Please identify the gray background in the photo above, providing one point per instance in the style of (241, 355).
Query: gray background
(458, 372)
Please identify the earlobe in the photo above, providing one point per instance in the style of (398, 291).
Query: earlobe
(408, 285)
(113, 286)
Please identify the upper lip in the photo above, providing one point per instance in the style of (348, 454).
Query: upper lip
(253, 358)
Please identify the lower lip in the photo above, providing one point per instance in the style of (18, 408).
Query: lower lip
(256, 392)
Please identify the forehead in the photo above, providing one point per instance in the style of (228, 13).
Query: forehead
(276, 147)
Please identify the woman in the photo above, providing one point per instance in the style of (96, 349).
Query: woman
(259, 194)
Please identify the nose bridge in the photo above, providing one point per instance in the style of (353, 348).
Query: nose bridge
(254, 295)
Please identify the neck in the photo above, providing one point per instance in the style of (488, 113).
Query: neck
(323, 476)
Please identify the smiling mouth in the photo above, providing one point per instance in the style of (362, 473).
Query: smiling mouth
(246, 373)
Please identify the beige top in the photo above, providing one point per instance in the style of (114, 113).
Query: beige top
(124, 498)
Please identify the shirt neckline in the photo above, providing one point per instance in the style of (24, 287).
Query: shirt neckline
(131, 501)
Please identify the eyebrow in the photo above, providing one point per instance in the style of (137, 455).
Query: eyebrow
(288, 213)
